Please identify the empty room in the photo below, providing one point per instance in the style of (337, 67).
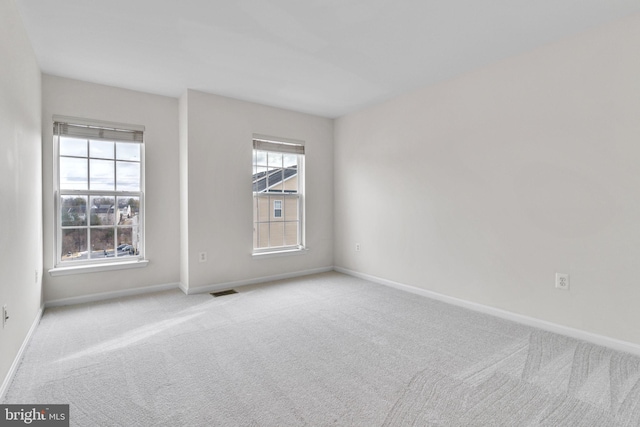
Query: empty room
(313, 213)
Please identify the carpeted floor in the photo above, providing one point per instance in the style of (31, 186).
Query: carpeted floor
(321, 350)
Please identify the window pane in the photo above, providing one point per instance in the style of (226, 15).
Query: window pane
(102, 175)
(259, 179)
(291, 180)
(73, 174)
(260, 158)
(274, 181)
(291, 209)
(73, 211)
(74, 244)
(128, 176)
(101, 149)
(255, 209)
(128, 210)
(127, 215)
(291, 233)
(275, 159)
(290, 160)
(259, 170)
(255, 235)
(263, 208)
(102, 210)
(124, 237)
(126, 245)
(276, 234)
(73, 147)
(263, 235)
(102, 242)
(127, 151)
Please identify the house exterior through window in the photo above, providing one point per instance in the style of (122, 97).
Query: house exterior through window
(99, 192)
(278, 183)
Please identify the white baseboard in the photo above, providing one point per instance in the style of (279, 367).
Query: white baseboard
(229, 285)
(18, 358)
(110, 295)
(579, 334)
(183, 288)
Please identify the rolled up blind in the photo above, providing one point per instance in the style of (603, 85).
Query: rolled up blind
(288, 146)
(85, 129)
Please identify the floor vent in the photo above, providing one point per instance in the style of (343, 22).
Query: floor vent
(223, 293)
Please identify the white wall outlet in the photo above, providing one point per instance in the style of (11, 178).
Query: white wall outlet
(202, 257)
(5, 315)
(357, 247)
(562, 281)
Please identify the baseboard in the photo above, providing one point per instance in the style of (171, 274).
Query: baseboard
(18, 358)
(110, 295)
(228, 285)
(601, 340)
(183, 288)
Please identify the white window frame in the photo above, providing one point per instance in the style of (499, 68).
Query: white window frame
(291, 146)
(107, 131)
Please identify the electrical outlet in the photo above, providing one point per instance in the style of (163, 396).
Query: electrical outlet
(5, 315)
(36, 276)
(357, 247)
(202, 257)
(562, 281)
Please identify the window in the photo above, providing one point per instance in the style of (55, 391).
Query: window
(99, 192)
(277, 208)
(278, 183)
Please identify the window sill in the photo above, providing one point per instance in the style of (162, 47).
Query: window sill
(94, 268)
(272, 254)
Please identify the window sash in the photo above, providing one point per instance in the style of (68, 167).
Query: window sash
(88, 227)
(262, 224)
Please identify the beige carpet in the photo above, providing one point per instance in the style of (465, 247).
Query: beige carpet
(318, 351)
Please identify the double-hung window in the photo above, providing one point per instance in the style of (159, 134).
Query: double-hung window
(278, 183)
(99, 192)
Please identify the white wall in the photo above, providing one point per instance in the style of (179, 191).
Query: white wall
(485, 186)
(217, 150)
(20, 184)
(159, 115)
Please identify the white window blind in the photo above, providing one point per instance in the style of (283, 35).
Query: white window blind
(97, 130)
(279, 146)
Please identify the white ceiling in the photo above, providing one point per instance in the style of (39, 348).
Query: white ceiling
(326, 57)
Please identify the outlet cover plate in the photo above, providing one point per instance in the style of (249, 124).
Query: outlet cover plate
(562, 281)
